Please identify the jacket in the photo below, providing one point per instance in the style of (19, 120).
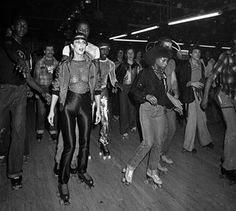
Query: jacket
(62, 79)
(186, 92)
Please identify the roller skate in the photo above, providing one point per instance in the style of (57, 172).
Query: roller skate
(39, 137)
(153, 178)
(63, 193)
(73, 170)
(167, 160)
(228, 174)
(163, 169)
(128, 175)
(104, 151)
(16, 183)
(86, 179)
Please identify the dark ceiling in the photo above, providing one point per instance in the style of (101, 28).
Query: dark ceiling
(49, 18)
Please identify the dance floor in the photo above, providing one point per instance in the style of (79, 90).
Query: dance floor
(192, 182)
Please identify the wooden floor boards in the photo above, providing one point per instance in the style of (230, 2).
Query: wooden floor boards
(192, 183)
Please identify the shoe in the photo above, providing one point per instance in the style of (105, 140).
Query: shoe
(133, 129)
(125, 136)
(16, 183)
(56, 169)
(39, 137)
(166, 160)
(194, 151)
(210, 146)
(229, 174)
(162, 168)
(104, 151)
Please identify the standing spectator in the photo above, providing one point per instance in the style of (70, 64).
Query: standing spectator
(43, 74)
(126, 76)
(192, 79)
(15, 73)
(225, 69)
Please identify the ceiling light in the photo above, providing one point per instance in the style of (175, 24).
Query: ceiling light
(207, 46)
(226, 48)
(194, 18)
(145, 30)
(118, 36)
(129, 40)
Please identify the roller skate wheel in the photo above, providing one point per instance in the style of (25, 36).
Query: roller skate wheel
(123, 170)
(90, 157)
(104, 157)
(100, 153)
(109, 157)
(154, 187)
(146, 182)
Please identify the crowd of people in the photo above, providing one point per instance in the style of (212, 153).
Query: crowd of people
(86, 87)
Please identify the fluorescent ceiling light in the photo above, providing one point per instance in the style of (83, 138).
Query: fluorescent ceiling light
(207, 46)
(145, 30)
(226, 48)
(118, 36)
(194, 18)
(129, 40)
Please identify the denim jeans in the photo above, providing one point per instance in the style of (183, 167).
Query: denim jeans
(127, 111)
(13, 102)
(170, 130)
(228, 107)
(153, 123)
(41, 121)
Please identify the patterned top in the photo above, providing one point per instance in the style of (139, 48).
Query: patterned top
(79, 77)
(226, 69)
(107, 68)
(44, 70)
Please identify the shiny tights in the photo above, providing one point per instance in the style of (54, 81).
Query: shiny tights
(76, 106)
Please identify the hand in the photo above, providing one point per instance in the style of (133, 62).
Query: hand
(180, 111)
(50, 118)
(114, 90)
(119, 86)
(97, 117)
(22, 67)
(151, 99)
(204, 103)
(176, 102)
(197, 85)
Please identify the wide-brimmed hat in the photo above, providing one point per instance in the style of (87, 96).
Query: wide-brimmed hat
(155, 53)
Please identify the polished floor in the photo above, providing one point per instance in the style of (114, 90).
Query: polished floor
(192, 183)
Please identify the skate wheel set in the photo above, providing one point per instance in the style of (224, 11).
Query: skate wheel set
(149, 180)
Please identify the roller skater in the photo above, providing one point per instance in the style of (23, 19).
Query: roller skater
(107, 68)
(150, 91)
(76, 85)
